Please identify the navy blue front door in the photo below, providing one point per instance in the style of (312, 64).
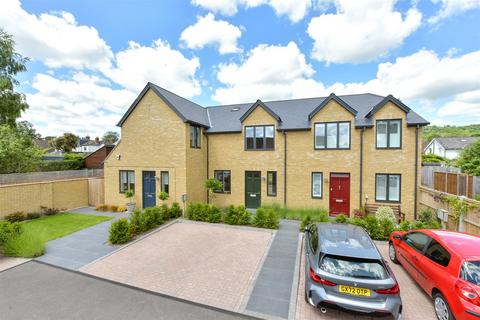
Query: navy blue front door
(149, 191)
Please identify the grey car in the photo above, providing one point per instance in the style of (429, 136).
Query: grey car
(344, 269)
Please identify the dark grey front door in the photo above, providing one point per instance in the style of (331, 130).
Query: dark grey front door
(253, 189)
(149, 189)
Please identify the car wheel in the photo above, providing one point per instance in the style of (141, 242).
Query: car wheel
(392, 253)
(442, 309)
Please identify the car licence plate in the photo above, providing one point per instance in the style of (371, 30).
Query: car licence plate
(354, 291)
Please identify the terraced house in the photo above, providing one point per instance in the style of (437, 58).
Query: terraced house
(339, 152)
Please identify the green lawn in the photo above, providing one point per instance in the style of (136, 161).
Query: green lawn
(35, 233)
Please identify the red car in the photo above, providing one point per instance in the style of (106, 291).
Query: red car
(446, 265)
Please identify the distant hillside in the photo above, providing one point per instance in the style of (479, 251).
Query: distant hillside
(430, 132)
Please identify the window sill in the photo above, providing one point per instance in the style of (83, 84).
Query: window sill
(327, 149)
(271, 195)
(388, 148)
(259, 149)
(221, 192)
(314, 197)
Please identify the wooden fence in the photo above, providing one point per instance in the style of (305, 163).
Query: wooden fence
(96, 194)
(450, 180)
(470, 222)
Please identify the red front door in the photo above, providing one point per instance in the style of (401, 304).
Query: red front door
(339, 193)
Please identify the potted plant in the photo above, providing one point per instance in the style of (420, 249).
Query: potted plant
(130, 204)
(163, 196)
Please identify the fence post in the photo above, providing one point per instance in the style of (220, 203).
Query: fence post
(461, 222)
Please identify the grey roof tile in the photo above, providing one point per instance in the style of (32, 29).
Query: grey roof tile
(294, 113)
(456, 143)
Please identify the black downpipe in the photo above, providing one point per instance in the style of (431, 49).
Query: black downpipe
(415, 194)
(208, 165)
(285, 169)
(361, 167)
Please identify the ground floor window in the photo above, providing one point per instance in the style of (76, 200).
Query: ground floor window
(271, 183)
(165, 181)
(387, 187)
(127, 180)
(317, 179)
(224, 177)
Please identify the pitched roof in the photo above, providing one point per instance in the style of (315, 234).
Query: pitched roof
(187, 110)
(456, 143)
(293, 113)
(260, 104)
(334, 97)
(385, 100)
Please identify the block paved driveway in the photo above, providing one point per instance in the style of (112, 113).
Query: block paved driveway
(38, 291)
(206, 263)
(416, 304)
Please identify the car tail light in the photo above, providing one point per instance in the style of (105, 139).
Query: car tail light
(317, 279)
(467, 292)
(393, 290)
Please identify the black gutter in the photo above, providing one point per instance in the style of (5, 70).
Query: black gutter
(415, 194)
(285, 169)
(361, 167)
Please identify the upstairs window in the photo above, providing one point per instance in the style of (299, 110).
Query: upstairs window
(165, 180)
(389, 134)
(224, 176)
(387, 187)
(195, 136)
(332, 135)
(127, 180)
(259, 138)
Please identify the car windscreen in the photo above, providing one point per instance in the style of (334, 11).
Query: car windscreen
(354, 267)
(471, 272)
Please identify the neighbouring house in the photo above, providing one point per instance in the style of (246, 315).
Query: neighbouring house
(95, 159)
(41, 143)
(450, 147)
(88, 146)
(338, 152)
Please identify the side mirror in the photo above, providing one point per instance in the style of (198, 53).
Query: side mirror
(397, 237)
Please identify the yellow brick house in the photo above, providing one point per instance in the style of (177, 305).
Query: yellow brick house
(338, 152)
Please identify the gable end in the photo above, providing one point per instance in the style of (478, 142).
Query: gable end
(259, 103)
(382, 103)
(335, 98)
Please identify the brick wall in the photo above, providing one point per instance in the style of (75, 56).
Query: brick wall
(29, 197)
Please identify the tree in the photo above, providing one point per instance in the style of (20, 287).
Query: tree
(65, 143)
(12, 103)
(212, 185)
(110, 137)
(28, 129)
(17, 151)
(469, 160)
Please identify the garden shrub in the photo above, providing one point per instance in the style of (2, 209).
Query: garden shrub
(49, 211)
(386, 227)
(113, 208)
(385, 213)
(405, 226)
(120, 231)
(357, 221)
(425, 215)
(305, 222)
(15, 217)
(175, 211)
(418, 225)
(197, 211)
(214, 214)
(26, 244)
(136, 222)
(9, 230)
(33, 215)
(341, 218)
(266, 218)
(372, 226)
(237, 215)
(151, 217)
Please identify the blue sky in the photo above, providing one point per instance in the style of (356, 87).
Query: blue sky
(89, 59)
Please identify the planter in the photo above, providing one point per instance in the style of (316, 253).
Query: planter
(130, 207)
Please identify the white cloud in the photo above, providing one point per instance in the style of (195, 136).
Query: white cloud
(207, 31)
(294, 9)
(422, 75)
(453, 7)
(360, 31)
(55, 39)
(465, 104)
(268, 72)
(160, 64)
(84, 104)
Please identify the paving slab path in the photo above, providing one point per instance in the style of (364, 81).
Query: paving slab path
(272, 291)
(82, 247)
(35, 290)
